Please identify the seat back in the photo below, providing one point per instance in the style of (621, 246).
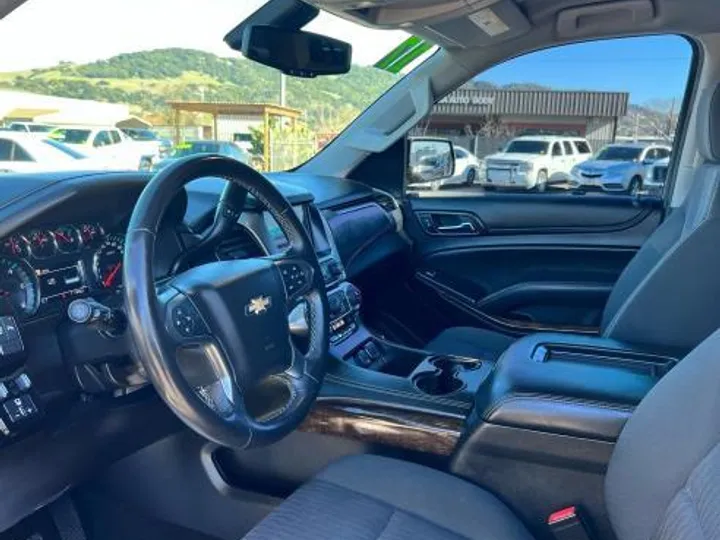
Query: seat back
(663, 482)
(669, 294)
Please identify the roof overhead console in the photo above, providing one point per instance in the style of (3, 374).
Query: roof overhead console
(451, 24)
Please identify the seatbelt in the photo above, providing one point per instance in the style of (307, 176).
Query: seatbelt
(567, 524)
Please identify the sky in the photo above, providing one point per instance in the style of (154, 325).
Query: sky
(650, 68)
(42, 33)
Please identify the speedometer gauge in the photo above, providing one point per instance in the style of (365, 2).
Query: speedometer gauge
(19, 290)
(107, 262)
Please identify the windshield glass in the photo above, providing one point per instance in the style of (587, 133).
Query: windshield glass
(619, 153)
(141, 134)
(162, 75)
(527, 147)
(198, 147)
(71, 136)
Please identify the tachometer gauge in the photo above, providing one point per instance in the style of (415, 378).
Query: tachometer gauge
(42, 244)
(107, 262)
(67, 238)
(19, 290)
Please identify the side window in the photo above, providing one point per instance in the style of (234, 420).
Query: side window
(662, 153)
(19, 154)
(102, 139)
(6, 150)
(11, 151)
(115, 136)
(651, 155)
(582, 106)
(582, 147)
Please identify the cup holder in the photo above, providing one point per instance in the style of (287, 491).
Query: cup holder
(442, 377)
(438, 383)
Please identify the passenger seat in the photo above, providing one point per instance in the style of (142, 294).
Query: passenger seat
(669, 294)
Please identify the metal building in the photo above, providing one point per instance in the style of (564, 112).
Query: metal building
(481, 120)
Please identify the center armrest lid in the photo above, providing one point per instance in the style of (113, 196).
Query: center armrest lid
(575, 385)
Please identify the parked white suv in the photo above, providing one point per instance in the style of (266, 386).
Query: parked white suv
(107, 143)
(534, 162)
(619, 167)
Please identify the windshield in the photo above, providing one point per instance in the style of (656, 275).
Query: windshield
(527, 147)
(619, 153)
(125, 63)
(141, 134)
(199, 147)
(71, 136)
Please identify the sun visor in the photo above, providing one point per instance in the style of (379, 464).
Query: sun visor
(603, 17)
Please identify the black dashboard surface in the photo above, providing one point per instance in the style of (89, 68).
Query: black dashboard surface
(64, 359)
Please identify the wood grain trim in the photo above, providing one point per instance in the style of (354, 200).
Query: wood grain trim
(413, 430)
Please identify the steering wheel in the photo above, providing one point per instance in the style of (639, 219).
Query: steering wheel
(231, 315)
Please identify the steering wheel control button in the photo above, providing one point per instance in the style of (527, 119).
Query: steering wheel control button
(294, 277)
(4, 392)
(20, 408)
(186, 320)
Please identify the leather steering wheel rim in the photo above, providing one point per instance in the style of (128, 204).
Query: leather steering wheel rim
(231, 310)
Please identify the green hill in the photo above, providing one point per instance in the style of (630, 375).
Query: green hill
(148, 79)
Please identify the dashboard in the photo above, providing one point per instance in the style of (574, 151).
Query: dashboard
(41, 270)
(72, 396)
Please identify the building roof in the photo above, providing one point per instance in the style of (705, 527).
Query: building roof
(230, 108)
(18, 105)
(472, 101)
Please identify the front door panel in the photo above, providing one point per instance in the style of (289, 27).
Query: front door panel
(532, 262)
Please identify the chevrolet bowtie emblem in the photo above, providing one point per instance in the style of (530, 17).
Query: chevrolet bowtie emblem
(258, 305)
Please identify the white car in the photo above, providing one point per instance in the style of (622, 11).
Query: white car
(41, 130)
(534, 162)
(467, 168)
(619, 168)
(25, 152)
(108, 143)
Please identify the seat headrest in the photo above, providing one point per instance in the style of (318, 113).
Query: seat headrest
(708, 124)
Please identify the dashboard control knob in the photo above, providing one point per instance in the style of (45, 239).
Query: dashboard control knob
(105, 320)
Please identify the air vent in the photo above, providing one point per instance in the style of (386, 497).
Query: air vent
(385, 200)
(242, 245)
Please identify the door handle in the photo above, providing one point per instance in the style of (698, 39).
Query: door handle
(464, 227)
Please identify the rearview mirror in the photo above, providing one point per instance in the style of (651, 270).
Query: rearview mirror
(430, 161)
(296, 53)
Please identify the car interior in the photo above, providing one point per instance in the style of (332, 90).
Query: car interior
(206, 351)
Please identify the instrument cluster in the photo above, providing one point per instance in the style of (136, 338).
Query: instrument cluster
(44, 268)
